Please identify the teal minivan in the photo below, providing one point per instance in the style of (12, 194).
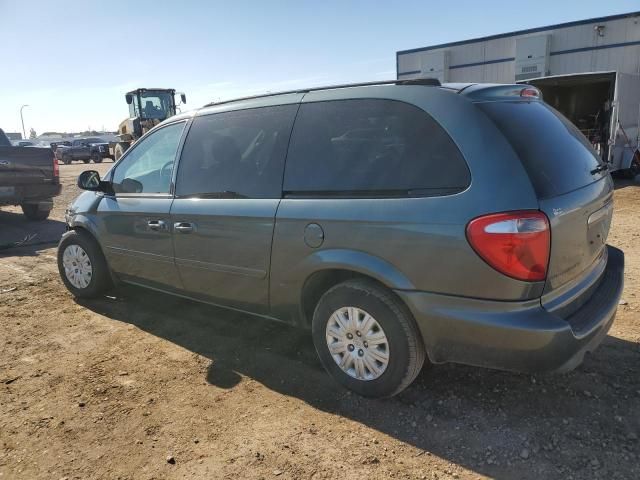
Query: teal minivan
(401, 222)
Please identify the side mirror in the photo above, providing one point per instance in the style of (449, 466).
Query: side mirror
(90, 180)
(129, 185)
(129, 98)
(183, 97)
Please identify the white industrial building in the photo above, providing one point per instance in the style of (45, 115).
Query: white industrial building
(588, 69)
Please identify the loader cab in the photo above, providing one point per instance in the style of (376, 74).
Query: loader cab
(152, 104)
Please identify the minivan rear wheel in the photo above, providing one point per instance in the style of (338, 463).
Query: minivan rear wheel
(82, 266)
(367, 339)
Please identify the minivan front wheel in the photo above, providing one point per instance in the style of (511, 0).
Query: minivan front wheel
(367, 339)
(82, 266)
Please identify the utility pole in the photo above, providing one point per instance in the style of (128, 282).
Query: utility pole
(24, 134)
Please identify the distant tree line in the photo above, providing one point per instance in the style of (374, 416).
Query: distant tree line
(86, 133)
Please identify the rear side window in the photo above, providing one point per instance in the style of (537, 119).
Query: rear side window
(371, 148)
(555, 154)
(237, 154)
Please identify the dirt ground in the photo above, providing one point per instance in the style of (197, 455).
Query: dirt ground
(138, 385)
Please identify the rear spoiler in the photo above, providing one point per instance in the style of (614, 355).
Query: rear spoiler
(484, 92)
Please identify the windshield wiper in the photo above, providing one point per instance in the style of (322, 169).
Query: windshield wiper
(600, 168)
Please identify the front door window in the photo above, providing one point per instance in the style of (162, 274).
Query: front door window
(149, 166)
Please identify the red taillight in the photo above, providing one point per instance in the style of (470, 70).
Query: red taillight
(516, 244)
(530, 92)
(56, 167)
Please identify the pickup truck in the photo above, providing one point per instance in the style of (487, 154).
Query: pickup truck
(85, 149)
(29, 177)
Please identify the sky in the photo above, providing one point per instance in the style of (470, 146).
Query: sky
(72, 61)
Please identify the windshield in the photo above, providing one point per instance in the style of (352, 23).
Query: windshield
(157, 105)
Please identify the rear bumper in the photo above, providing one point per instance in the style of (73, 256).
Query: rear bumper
(32, 194)
(517, 336)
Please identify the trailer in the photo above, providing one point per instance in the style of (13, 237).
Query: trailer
(605, 106)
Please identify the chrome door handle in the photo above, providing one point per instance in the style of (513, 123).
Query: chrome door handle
(184, 227)
(156, 224)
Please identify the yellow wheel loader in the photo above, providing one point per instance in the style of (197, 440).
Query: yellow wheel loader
(147, 108)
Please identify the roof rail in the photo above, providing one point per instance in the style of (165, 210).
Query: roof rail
(429, 82)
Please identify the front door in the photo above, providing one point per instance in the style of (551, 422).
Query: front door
(228, 188)
(134, 222)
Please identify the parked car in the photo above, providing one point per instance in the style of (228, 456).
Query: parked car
(28, 177)
(85, 149)
(402, 223)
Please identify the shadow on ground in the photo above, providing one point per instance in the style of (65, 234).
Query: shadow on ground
(579, 425)
(619, 182)
(15, 227)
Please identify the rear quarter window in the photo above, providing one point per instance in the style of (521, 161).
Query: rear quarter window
(371, 147)
(556, 155)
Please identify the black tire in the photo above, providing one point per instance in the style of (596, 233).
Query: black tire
(100, 278)
(32, 212)
(86, 160)
(66, 159)
(96, 158)
(406, 349)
